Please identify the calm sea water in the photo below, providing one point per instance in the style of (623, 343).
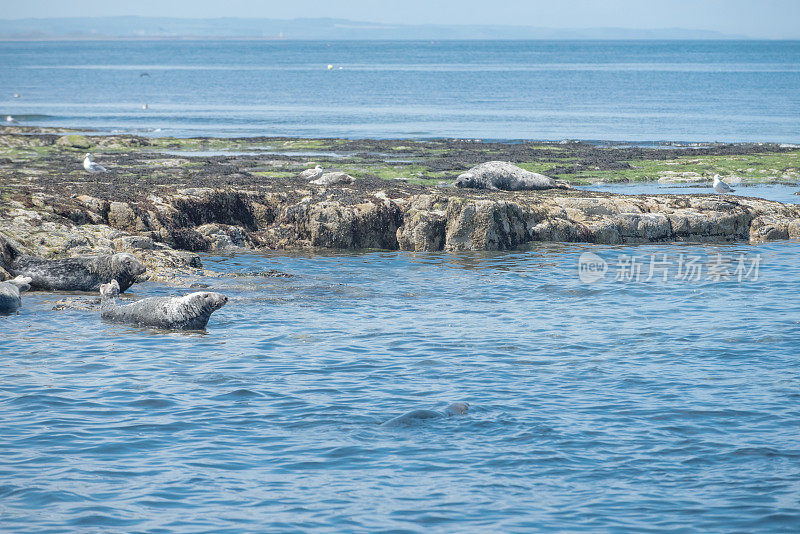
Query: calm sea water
(644, 405)
(634, 90)
(788, 194)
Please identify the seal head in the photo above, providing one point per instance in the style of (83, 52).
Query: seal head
(457, 408)
(10, 300)
(125, 268)
(419, 416)
(465, 180)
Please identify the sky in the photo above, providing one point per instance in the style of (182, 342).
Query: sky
(771, 19)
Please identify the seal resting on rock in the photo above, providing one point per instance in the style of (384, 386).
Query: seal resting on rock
(189, 312)
(310, 174)
(333, 178)
(10, 300)
(506, 176)
(411, 418)
(79, 274)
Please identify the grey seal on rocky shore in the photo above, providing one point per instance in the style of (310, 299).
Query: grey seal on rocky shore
(84, 273)
(506, 176)
(10, 300)
(189, 312)
(333, 178)
(411, 418)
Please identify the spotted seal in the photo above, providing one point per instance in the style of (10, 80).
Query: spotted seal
(84, 273)
(10, 300)
(333, 178)
(507, 176)
(189, 312)
(417, 416)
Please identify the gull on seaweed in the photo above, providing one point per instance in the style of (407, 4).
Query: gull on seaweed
(721, 187)
(91, 166)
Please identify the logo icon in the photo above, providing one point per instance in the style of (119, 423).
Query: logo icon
(591, 268)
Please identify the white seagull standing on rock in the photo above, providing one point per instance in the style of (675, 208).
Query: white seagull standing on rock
(311, 174)
(91, 166)
(721, 187)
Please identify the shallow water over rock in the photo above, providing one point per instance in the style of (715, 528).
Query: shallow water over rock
(786, 193)
(660, 403)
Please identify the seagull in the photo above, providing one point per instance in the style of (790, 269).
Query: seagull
(16, 95)
(91, 166)
(311, 174)
(10, 119)
(721, 187)
(144, 106)
(142, 75)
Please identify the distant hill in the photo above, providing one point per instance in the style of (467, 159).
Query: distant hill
(308, 29)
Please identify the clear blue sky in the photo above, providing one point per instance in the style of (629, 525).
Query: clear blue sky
(755, 18)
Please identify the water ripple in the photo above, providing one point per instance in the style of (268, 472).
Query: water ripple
(608, 407)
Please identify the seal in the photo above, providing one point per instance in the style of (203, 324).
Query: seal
(333, 178)
(417, 416)
(10, 300)
(84, 273)
(189, 312)
(506, 176)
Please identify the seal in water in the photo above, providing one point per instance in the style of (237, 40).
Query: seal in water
(506, 176)
(10, 300)
(189, 312)
(457, 408)
(79, 274)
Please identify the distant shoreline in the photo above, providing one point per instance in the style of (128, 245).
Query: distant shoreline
(179, 38)
(60, 38)
(322, 28)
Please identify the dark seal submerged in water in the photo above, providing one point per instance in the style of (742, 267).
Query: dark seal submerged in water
(419, 416)
(85, 273)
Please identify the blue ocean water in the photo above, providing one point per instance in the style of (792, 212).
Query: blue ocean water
(788, 194)
(543, 90)
(668, 404)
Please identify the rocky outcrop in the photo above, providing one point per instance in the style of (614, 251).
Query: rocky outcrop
(49, 233)
(164, 231)
(504, 224)
(327, 223)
